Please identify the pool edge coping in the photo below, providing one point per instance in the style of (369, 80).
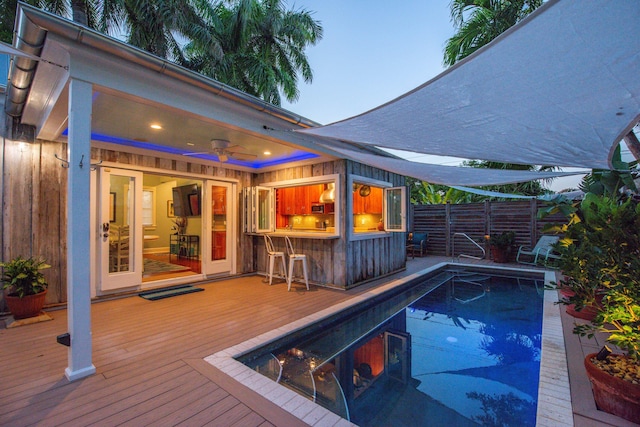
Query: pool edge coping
(553, 390)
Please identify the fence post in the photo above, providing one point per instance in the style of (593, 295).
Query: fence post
(447, 219)
(533, 211)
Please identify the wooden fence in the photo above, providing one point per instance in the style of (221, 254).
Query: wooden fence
(445, 223)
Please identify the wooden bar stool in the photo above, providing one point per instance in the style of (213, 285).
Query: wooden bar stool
(273, 254)
(293, 257)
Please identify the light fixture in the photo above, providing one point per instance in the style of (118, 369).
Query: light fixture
(191, 144)
(267, 153)
(155, 126)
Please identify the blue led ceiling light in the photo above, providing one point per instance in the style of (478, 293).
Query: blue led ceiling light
(296, 156)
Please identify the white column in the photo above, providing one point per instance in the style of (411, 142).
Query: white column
(78, 242)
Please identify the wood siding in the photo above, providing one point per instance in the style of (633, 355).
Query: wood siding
(339, 262)
(477, 220)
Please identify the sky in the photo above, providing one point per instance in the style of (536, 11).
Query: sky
(373, 52)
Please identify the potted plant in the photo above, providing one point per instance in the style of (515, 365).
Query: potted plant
(501, 245)
(601, 259)
(26, 286)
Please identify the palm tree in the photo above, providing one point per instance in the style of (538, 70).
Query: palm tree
(481, 21)
(262, 47)
(157, 26)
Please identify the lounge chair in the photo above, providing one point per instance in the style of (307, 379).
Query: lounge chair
(544, 248)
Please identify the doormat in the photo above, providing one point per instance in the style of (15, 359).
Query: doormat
(152, 266)
(168, 292)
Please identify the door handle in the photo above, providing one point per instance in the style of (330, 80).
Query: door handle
(105, 230)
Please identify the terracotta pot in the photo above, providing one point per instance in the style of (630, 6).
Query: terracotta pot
(498, 254)
(587, 313)
(613, 395)
(28, 306)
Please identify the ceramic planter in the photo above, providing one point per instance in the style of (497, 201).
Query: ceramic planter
(28, 306)
(613, 395)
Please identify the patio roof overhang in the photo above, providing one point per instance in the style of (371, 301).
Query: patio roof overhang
(560, 88)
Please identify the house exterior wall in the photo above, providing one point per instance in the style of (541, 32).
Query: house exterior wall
(340, 262)
(367, 259)
(34, 191)
(34, 187)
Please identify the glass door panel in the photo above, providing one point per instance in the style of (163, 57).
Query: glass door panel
(121, 229)
(220, 252)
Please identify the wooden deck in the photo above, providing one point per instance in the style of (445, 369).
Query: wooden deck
(148, 356)
(149, 359)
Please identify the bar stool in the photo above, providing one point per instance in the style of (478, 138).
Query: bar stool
(293, 257)
(273, 254)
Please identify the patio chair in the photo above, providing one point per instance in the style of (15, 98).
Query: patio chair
(544, 248)
(417, 242)
(293, 257)
(272, 254)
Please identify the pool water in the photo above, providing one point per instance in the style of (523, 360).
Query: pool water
(461, 348)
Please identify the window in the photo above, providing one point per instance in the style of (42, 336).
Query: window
(376, 207)
(302, 206)
(258, 209)
(148, 207)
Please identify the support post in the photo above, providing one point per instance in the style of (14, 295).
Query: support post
(78, 225)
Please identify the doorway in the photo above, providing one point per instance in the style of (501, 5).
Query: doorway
(163, 228)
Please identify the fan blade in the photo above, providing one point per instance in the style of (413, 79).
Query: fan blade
(198, 153)
(243, 156)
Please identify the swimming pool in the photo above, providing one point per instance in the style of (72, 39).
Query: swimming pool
(454, 348)
(553, 389)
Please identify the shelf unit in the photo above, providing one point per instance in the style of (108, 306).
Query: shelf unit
(184, 246)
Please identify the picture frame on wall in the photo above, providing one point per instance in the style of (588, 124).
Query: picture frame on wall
(170, 212)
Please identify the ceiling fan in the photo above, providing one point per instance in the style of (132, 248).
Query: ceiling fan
(224, 150)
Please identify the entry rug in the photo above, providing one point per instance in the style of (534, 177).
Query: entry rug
(168, 292)
(152, 266)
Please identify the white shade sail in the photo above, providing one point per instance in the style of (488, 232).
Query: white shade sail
(447, 175)
(560, 88)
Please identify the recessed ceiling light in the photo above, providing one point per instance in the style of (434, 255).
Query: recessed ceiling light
(155, 126)
(267, 153)
(191, 144)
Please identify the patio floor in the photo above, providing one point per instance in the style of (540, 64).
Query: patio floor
(149, 359)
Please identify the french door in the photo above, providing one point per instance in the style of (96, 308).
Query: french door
(219, 211)
(120, 229)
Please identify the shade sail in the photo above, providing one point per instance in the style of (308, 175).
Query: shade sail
(10, 50)
(560, 88)
(447, 175)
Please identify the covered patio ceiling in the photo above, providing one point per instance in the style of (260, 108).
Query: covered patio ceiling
(561, 88)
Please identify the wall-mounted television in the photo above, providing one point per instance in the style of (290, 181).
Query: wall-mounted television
(186, 200)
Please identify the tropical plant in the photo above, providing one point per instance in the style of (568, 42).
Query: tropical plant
(262, 47)
(612, 183)
(23, 276)
(423, 193)
(503, 241)
(600, 254)
(480, 21)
